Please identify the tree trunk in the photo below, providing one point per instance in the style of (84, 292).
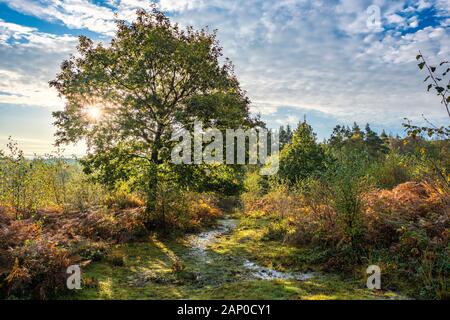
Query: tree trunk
(152, 189)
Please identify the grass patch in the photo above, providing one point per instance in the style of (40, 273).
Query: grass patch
(172, 269)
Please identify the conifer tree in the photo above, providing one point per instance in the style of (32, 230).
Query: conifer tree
(303, 157)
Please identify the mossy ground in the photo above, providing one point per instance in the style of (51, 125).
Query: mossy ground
(169, 269)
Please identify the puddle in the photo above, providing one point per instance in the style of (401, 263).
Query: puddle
(200, 243)
(260, 272)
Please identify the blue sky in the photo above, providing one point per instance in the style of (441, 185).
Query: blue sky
(322, 59)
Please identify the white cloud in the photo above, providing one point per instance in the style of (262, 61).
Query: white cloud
(28, 60)
(413, 22)
(73, 13)
(395, 19)
(316, 55)
(311, 55)
(84, 14)
(180, 5)
(423, 4)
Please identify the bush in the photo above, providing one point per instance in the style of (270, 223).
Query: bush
(405, 230)
(113, 226)
(391, 171)
(52, 213)
(279, 200)
(409, 206)
(39, 270)
(123, 200)
(276, 230)
(185, 211)
(83, 194)
(34, 251)
(27, 186)
(94, 251)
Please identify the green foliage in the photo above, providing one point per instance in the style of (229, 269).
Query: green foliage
(303, 157)
(375, 145)
(341, 212)
(429, 161)
(122, 199)
(254, 183)
(277, 230)
(368, 141)
(285, 136)
(226, 180)
(436, 79)
(391, 171)
(347, 180)
(18, 187)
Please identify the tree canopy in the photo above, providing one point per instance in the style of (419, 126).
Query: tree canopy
(127, 98)
(302, 157)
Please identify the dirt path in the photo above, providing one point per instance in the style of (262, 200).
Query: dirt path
(200, 249)
(230, 261)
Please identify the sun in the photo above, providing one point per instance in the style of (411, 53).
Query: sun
(94, 113)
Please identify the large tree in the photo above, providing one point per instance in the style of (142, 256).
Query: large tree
(125, 99)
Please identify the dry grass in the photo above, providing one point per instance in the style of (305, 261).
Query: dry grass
(410, 205)
(35, 252)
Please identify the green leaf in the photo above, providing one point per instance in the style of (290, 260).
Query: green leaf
(429, 87)
(433, 69)
(418, 56)
(421, 65)
(439, 89)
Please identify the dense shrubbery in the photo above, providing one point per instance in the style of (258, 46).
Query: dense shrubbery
(386, 205)
(363, 209)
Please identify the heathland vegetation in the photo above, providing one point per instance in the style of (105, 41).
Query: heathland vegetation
(130, 218)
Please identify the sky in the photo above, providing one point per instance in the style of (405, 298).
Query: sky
(333, 62)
